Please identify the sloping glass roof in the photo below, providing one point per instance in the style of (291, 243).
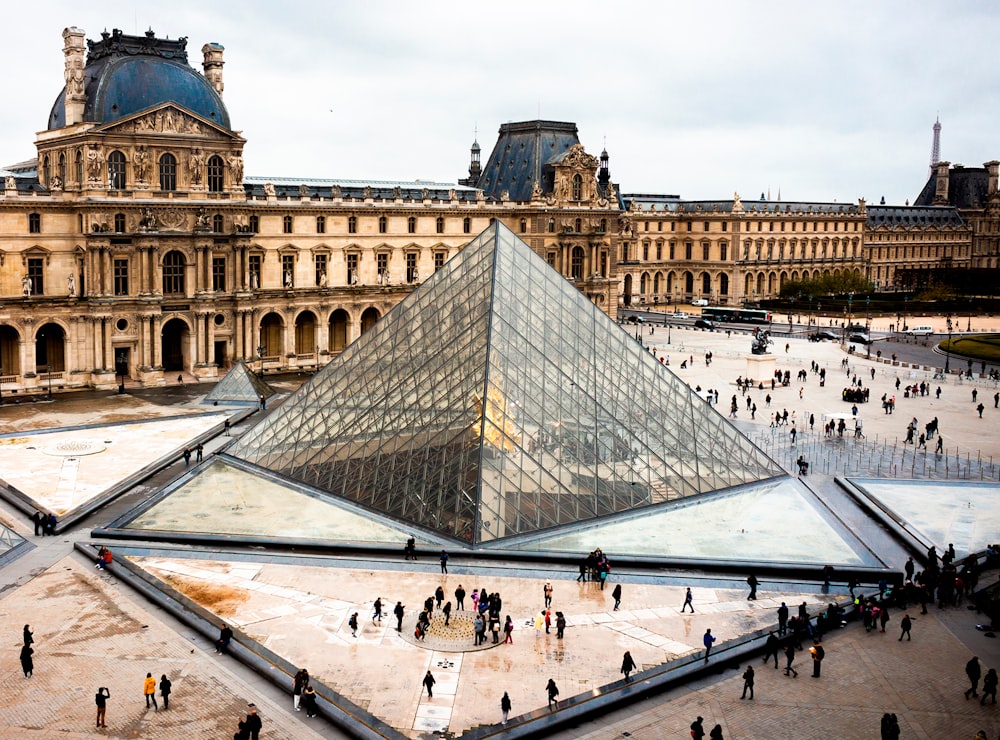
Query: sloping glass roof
(240, 386)
(496, 400)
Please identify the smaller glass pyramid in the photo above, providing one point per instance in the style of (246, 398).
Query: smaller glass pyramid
(240, 387)
(496, 400)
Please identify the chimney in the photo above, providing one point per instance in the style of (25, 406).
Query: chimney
(993, 168)
(213, 65)
(75, 97)
(941, 183)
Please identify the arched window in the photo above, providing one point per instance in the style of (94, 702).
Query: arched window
(524, 226)
(62, 169)
(576, 263)
(173, 273)
(552, 226)
(466, 225)
(577, 187)
(439, 224)
(286, 224)
(216, 179)
(723, 284)
(411, 225)
(46, 171)
(352, 224)
(217, 223)
(168, 172)
(119, 223)
(254, 225)
(706, 284)
(383, 224)
(79, 168)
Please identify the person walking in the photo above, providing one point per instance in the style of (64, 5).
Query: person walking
(165, 686)
(973, 670)
(697, 729)
(199, 452)
(553, 692)
(980, 409)
(716, 733)
(38, 519)
(748, 682)
(989, 686)
(377, 610)
(253, 723)
(905, 626)
(547, 593)
(447, 613)
(560, 625)
(818, 653)
(505, 706)
(616, 594)
(789, 659)
(444, 562)
(227, 424)
(782, 619)
(460, 598)
(149, 690)
(398, 611)
(187, 456)
(27, 663)
(752, 582)
(429, 683)
(688, 601)
(101, 700)
(707, 641)
(628, 665)
(772, 647)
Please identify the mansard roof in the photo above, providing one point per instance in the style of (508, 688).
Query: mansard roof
(523, 156)
(922, 216)
(968, 187)
(292, 187)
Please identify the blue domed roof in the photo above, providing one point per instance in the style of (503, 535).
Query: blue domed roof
(128, 74)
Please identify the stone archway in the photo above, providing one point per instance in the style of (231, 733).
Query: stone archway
(175, 340)
(10, 351)
(305, 333)
(368, 319)
(340, 322)
(272, 335)
(50, 344)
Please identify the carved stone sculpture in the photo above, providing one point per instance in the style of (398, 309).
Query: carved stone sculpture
(196, 167)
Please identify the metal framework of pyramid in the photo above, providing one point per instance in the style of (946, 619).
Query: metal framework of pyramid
(496, 400)
(240, 386)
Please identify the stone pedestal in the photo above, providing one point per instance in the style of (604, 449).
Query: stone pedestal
(760, 368)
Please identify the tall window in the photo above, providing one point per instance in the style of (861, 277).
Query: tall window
(34, 223)
(79, 168)
(382, 261)
(321, 224)
(550, 257)
(254, 224)
(219, 274)
(286, 225)
(36, 273)
(173, 273)
(704, 252)
(217, 223)
(116, 171)
(412, 275)
(411, 225)
(352, 269)
(62, 170)
(253, 266)
(383, 224)
(578, 225)
(524, 226)
(687, 251)
(352, 224)
(288, 270)
(439, 224)
(576, 263)
(120, 223)
(320, 263)
(645, 251)
(552, 226)
(121, 275)
(439, 259)
(466, 225)
(168, 172)
(724, 251)
(577, 187)
(216, 178)
(46, 171)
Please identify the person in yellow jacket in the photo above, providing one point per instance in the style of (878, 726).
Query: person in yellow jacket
(149, 689)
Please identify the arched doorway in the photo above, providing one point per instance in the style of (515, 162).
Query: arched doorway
(368, 319)
(627, 292)
(175, 337)
(10, 351)
(50, 341)
(305, 333)
(723, 284)
(271, 335)
(689, 283)
(339, 321)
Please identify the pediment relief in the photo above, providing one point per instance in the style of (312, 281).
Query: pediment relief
(168, 119)
(578, 159)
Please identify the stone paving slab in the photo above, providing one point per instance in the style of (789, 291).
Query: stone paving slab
(88, 634)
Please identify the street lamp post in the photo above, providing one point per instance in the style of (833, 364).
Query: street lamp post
(669, 325)
(48, 369)
(968, 327)
(947, 352)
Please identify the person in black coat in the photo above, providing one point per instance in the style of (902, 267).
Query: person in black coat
(617, 595)
(628, 665)
(27, 664)
(28, 635)
(165, 690)
(253, 723)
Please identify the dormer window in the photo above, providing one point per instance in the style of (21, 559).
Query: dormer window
(116, 171)
(577, 187)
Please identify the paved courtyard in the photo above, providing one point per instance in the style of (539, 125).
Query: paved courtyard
(90, 630)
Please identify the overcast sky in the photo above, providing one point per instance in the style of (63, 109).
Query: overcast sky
(822, 101)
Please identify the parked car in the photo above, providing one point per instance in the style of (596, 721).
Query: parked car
(704, 324)
(635, 320)
(919, 331)
(817, 336)
(859, 338)
(680, 315)
(859, 328)
(699, 302)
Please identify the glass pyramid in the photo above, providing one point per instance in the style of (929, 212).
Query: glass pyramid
(496, 400)
(240, 386)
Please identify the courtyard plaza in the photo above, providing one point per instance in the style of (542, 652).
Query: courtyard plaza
(92, 626)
